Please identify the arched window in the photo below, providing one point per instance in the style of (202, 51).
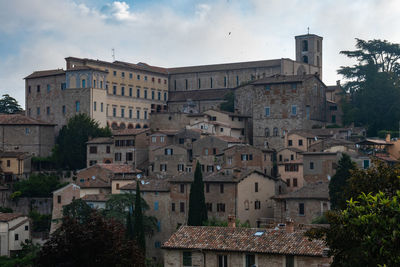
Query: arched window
(138, 126)
(122, 126)
(266, 132)
(130, 126)
(305, 45)
(114, 126)
(276, 133)
(145, 126)
(305, 59)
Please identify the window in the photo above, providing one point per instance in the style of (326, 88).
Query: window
(222, 261)
(300, 142)
(225, 81)
(168, 151)
(181, 167)
(221, 188)
(130, 91)
(268, 87)
(307, 112)
(101, 84)
(93, 150)
(237, 80)
(163, 167)
(311, 165)
(301, 209)
(295, 182)
(122, 112)
(289, 261)
(156, 205)
(182, 188)
(266, 132)
(229, 160)
(153, 139)
(27, 131)
(8, 163)
(145, 114)
(157, 244)
(207, 188)
(38, 111)
(267, 111)
(305, 59)
(206, 151)
(159, 95)
(182, 207)
(48, 110)
(114, 112)
(129, 156)
(186, 84)
(145, 78)
(257, 205)
(250, 260)
(172, 206)
(256, 187)
(29, 89)
(152, 95)
(118, 156)
(294, 110)
(247, 157)
(130, 114)
(48, 88)
(210, 168)
(181, 141)
(26, 227)
(159, 80)
(221, 129)
(294, 86)
(123, 74)
(366, 164)
(209, 207)
(115, 73)
(305, 45)
(137, 114)
(94, 83)
(288, 182)
(290, 143)
(77, 106)
(291, 167)
(16, 237)
(292, 157)
(83, 83)
(276, 132)
(221, 207)
(122, 91)
(92, 162)
(187, 258)
(138, 77)
(211, 82)
(58, 199)
(162, 139)
(114, 90)
(38, 88)
(94, 105)
(138, 93)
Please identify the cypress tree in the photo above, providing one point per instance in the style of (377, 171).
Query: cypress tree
(197, 202)
(338, 182)
(138, 227)
(129, 224)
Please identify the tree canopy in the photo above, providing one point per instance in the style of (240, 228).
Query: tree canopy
(70, 150)
(138, 225)
(229, 103)
(9, 105)
(197, 203)
(38, 185)
(373, 83)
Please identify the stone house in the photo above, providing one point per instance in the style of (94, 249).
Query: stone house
(334, 95)
(161, 138)
(231, 246)
(15, 165)
(168, 121)
(290, 167)
(19, 133)
(119, 94)
(94, 180)
(279, 104)
(99, 150)
(61, 197)
(96, 201)
(14, 229)
(169, 160)
(304, 204)
(319, 166)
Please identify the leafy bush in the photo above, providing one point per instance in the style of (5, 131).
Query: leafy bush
(40, 222)
(38, 185)
(6, 210)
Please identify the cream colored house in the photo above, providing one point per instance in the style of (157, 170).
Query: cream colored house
(15, 165)
(14, 230)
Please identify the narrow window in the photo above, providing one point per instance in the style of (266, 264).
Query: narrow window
(114, 90)
(58, 199)
(256, 187)
(211, 82)
(221, 188)
(122, 91)
(186, 84)
(294, 110)
(172, 206)
(267, 111)
(94, 105)
(182, 207)
(187, 258)
(83, 83)
(182, 188)
(225, 81)
(199, 83)
(77, 106)
(311, 165)
(301, 209)
(222, 261)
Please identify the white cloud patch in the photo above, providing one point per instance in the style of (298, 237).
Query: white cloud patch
(39, 34)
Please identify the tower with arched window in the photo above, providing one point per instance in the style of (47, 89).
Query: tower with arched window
(309, 50)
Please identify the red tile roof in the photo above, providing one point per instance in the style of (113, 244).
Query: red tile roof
(18, 119)
(318, 190)
(119, 168)
(244, 240)
(150, 185)
(6, 217)
(44, 73)
(96, 197)
(229, 139)
(129, 132)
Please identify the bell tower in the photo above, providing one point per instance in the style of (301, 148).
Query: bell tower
(309, 50)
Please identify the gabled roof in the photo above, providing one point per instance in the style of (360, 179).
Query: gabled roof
(96, 198)
(118, 168)
(19, 119)
(101, 140)
(150, 185)
(228, 139)
(13, 154)
(78, 68)
(65, 187)
(6, 217)
(44, 73)
(244, 240)
(318, 190)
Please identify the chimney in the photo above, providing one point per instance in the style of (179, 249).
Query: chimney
(231, 221)
(289, 225)
(388, 137)
(338, 82)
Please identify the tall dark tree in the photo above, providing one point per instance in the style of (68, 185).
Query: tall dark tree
(70, 151)
(197, 203)
(9, 105)
(338, 182)
(78, 210)
(229, 103)
(138, 227)
(374, 86)
(97, 242)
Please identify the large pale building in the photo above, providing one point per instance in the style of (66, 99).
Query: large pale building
(123, 95)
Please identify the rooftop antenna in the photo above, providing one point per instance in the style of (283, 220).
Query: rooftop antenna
(113, 54)
(308, 30)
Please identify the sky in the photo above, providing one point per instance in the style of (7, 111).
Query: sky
(39, 34)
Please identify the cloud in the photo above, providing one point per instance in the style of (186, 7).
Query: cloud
(39, 34)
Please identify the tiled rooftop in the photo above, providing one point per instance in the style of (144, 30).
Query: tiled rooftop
(6, 217)
(44, 73)
(19, 119)
(244, 240)
(318, 190)
(150, 185)
(129, 132)
(96, 197)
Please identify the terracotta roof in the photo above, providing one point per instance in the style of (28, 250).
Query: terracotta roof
(119, 168)
(166, 132)
(218, 176)
(77, 68)
(319, 190)
(13, 154)
(244, 240)
(198, 95)
(149, 185)
(18, 119)
(232, 114)
(226, 66)
(6, 217)
(292, 149)
(129, 132)
(229, 139)
(370, 141)
(44, 73)
(101, 140)
(284, 79)
(93, 182)
(96, 197)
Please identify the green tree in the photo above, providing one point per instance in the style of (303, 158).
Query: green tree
(26, 257)
(197, 203)
(374, 85)
(38, 185)
(97, 242)
(366, 233)
(78, 210)
(70, 150)
(9, 105)
(138, 228)
(40, 222)
(229, 103)
(338, 182)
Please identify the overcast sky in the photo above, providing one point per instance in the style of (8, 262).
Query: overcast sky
(39, 34)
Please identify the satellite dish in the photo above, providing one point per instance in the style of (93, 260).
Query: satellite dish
(142, 182)
(329, 177)
(218, 168)
(93, 177)
(146, 182)
(316, 138)
(139, 176)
